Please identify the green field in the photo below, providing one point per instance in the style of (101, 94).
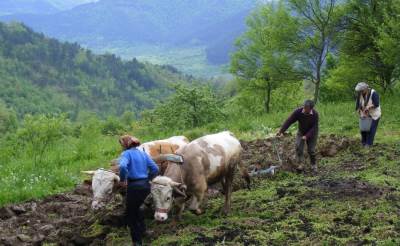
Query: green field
(191, 60)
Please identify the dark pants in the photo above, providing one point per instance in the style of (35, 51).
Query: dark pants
(135, 198)
(311, 144)
(367, 138)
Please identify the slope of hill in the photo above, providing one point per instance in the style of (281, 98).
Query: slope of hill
(42, 75)
(175, 23)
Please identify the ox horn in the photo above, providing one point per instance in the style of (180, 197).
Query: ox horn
(174, 184)
(88, 172)
(179, 191)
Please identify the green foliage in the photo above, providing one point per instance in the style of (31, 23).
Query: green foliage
(371, 42)
(187, 108)
(42, 75)
(46, 154)
(8, 119)
(39, 133)
(262, 62)
(319, 24)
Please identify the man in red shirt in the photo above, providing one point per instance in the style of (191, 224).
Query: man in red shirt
(307, 132)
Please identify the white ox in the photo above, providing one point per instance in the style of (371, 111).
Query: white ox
(207, 160)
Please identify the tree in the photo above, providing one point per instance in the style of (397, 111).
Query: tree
(187, 108)
(372, 37)
(263, 61)
(319, 23)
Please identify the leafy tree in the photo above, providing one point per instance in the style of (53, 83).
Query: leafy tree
(263, 60)
(372, 40)
(187, 108)
(320, 22)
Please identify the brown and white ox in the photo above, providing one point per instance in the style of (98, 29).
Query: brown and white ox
(104, 181)
(206, 160)
(160, 147)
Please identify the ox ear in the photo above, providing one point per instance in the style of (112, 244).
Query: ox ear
(116, 178)
(88, 172)
(87, 182)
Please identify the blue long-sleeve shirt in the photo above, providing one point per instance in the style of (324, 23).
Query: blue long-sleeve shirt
(135, 164)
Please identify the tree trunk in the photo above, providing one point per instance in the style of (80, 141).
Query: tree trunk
(268, 97)
(318, 80)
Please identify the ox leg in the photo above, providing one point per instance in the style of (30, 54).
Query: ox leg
(198, 196)
(179, 207)
(228, 190)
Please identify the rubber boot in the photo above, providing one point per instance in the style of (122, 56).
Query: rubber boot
(314, 167)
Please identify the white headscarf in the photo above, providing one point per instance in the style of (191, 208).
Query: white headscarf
(361, 86)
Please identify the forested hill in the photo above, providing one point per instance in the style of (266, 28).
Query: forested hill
(175, 23)
(43, 75)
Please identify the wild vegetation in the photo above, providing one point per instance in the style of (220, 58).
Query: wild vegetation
(43, 75)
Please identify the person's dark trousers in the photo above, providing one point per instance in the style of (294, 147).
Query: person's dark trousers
(311, 145)
(135, 219)
(367, 138)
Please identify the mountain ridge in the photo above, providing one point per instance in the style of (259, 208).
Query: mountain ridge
(155, 22)
(42, 75)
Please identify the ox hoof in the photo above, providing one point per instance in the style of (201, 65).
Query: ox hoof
(226, 211)
(197, 211)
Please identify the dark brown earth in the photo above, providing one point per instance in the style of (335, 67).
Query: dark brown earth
(66, 219)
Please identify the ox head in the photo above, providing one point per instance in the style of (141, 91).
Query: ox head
(103, 183)
(163, 191)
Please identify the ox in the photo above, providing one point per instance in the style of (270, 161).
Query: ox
(104, 181)
(160, 147)
(207, 160)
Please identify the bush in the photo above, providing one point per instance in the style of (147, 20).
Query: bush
(113, 126)
(40, 133)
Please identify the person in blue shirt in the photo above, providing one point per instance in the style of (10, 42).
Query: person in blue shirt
(136, 169)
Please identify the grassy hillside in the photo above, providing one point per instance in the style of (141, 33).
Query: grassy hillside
(43, 75)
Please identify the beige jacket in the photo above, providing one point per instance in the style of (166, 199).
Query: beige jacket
(374, 112)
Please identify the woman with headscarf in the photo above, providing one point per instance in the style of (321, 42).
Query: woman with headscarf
(136, 169)
(368, 105)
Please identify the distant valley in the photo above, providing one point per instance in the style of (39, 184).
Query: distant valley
(185, 34)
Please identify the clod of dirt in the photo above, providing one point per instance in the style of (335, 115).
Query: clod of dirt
(6, 213)
(282, 150)
(18, 210)
(348, 188)
(55, 219)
